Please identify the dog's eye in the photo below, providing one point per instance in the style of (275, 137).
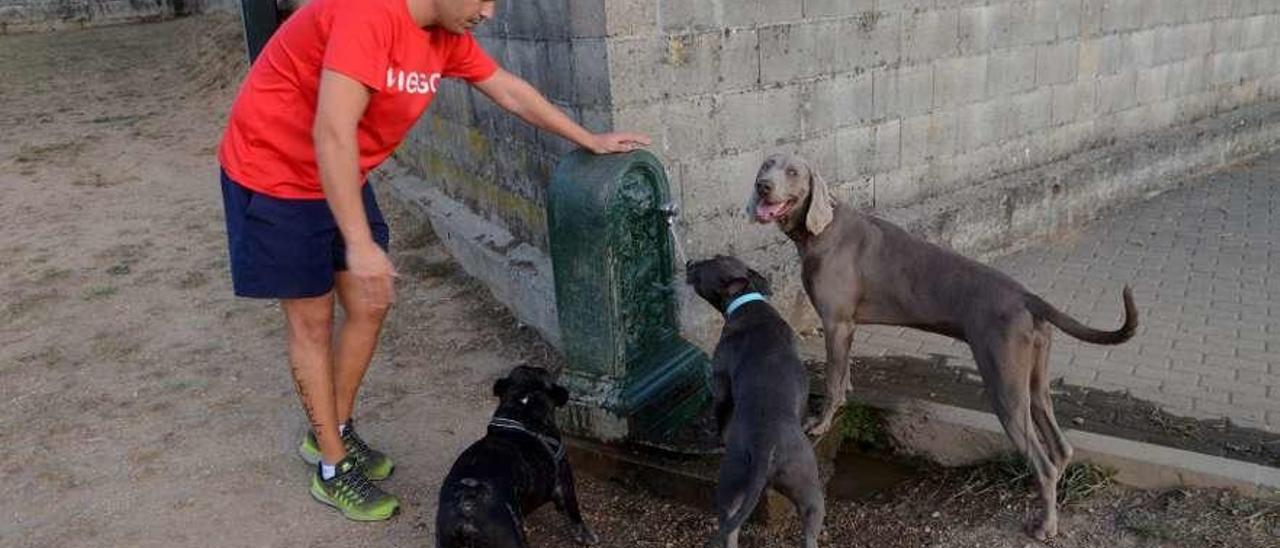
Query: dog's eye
(768, 164)
(524, 400)
(791, 171)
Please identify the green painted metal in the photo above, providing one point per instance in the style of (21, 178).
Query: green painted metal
(632, 375)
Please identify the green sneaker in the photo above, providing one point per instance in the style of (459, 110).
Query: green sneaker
(351, 492)
(377, 465)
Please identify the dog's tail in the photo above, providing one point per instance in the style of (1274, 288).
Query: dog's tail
(1041, 309)
(756, 484)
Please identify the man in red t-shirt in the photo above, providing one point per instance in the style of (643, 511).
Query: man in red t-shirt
(332, 94)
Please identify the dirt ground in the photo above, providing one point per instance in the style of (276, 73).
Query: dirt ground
(141, 404)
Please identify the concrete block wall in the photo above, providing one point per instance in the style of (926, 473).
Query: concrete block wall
(493, 162)
(901, 101)
(910, 107)
(905, 102)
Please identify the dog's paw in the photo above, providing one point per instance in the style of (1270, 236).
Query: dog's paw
(816, 427)
(1043, 531)
(585, 537)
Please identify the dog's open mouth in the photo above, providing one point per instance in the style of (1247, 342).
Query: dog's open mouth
(768, 213)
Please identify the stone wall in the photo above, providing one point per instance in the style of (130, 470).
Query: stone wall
(947, 116)
(491, 161)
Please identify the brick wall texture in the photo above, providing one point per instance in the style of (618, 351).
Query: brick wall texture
(897, 102)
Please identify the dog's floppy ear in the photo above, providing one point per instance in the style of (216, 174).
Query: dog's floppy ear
(559, 395)
(500, 388)
(821, 204)
(752, 202)
(735, 286)
(759, 282)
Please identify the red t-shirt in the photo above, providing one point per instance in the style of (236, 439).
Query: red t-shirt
(267, 145)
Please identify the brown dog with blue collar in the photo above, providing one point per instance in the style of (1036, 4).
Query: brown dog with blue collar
(760, 388)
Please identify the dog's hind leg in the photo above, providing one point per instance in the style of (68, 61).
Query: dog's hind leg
(743, 479)
(1042, 402)
(798, 480)
(731, 494)
(502, 527)
(517, 537)
(1004, 359)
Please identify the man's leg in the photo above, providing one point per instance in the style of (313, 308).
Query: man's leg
(310, 322)
(340, 481)
(357, 339)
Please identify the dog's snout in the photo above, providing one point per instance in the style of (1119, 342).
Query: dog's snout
(764, 187)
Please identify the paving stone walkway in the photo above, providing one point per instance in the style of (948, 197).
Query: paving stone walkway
(1204, 263)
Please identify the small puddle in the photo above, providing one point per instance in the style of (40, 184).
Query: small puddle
(860, 475)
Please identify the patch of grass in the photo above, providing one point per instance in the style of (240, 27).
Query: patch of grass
(125, 253)
(118, 270)
(37, 153)
(863, 425)
(422, 268)
(1147, 525)
(418, 236)
(1083, 480)
(1203, 518)
(100, 292)
(29, 303)
(1004, 474)
(96, 180)
(109, 346)
(126, 119)
(49, 355)
(184, 385)
(53, 274)
(193, 279)
(1080, 482)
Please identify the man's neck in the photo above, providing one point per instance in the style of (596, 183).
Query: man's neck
(423, 12)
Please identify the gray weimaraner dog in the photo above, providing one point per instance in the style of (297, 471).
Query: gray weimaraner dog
(761, 388)
(861, 269)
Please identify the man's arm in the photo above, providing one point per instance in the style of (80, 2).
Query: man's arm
(341, 103)
(518, 97)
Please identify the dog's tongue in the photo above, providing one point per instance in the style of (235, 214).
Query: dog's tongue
(767, 213)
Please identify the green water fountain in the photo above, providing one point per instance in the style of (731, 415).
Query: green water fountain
(632, 376)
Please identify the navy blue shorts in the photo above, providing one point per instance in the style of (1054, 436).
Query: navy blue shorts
(287, 249)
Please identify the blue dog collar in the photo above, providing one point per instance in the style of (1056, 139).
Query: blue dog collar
(741, 300)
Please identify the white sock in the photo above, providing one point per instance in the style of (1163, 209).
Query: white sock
(327, 471)
(342, 429)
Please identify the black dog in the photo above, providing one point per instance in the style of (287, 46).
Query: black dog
(512, 471)
(760, 389)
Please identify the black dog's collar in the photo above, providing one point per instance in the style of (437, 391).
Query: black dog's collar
(553, 446)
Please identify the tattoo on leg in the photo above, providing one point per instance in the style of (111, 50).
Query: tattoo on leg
(306, 404)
